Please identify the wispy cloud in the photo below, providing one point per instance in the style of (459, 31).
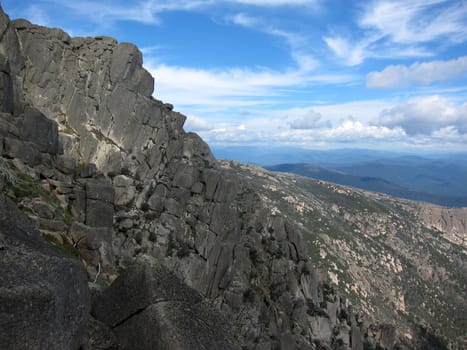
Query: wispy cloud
(349, 53)
(37, 15)
(231, 86)
(296, 42)
(422, 73)
(417, 21)
(147, 11)
(401, 29)
(276, 2)
(111, 11)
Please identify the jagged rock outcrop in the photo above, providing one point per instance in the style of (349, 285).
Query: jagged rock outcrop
(44, 296)
(450, 221)
(148, 307)
(132, 183)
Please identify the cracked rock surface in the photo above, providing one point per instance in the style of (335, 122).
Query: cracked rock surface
(173, 243)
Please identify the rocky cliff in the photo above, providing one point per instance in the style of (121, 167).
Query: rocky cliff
(180, 253)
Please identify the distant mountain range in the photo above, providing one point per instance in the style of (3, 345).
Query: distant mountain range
(439, 178)
(379, 184)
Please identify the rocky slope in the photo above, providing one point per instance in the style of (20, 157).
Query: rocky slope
(180, 253)
(399, 261)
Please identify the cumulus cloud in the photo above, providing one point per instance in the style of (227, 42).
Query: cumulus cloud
(194, 123)
(423, 73)
(354, 130)
(310, 120)
(426, 115)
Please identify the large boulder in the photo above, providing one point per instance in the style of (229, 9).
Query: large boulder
(148, 307)
(44, 296)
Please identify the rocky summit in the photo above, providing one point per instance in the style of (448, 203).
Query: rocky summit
(119, 230)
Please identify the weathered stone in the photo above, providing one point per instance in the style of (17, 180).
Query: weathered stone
(66, 165)
(126, 66)
(8, 126)
(357, 339)
(6, 90)
(157, 199)
(99, 213)
(156, 310)
(41, 131)
(184, 177)
(100, 189)
(44, 298)
(99, 337)
(78, 204)
(386, 336)
(43, 210)
(197, 188)
(88, 170)
(125, 190)
(26, 151)
(52, 225)
(90, 237)
(174, 325)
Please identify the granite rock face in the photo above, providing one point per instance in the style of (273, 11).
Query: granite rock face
(134, 192)
(204, 223)
(148, 307)
(44, 296)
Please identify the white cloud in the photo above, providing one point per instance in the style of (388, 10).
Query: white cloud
(351, 53)
(417, 20)
(426, 115)
(364, 111)
(401, 29)
(424, 73)
(310, 120)
(194, 123)
(107, 11)
(147, 11)
(229, 86)
(419, 123)
(354, 130)
(243, 20)
(296, 42)
(269, 131)
(276, 2)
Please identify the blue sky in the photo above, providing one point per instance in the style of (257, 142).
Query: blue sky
(383, 74)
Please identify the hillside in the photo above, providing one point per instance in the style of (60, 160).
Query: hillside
(398, 261)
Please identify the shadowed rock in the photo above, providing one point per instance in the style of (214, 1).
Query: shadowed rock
(148, 307)
(44, 297)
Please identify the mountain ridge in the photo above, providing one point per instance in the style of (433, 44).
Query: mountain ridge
(382, 253)
(370, 183)
(107, 175)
